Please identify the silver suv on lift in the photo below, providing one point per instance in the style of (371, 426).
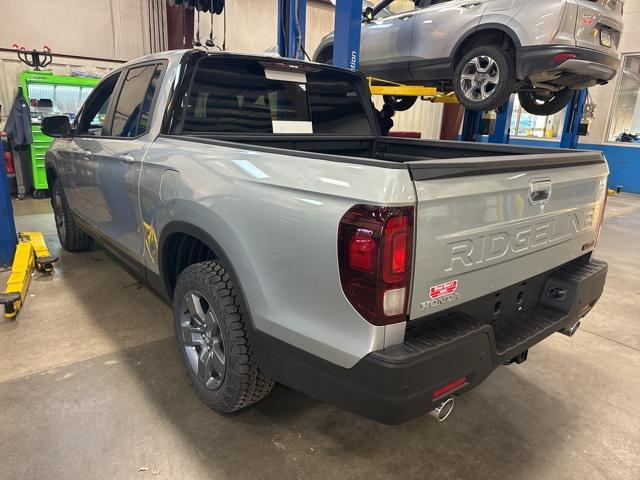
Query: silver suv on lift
(485, 50)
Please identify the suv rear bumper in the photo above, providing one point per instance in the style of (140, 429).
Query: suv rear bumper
(587, 62)
(397, 384)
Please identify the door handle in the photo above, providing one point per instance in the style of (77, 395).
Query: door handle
(405, 17)
(127, 159)
(471, 5)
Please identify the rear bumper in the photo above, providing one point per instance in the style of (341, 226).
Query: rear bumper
(397, 383)
(587, 62)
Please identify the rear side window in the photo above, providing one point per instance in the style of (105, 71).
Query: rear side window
(235, 96)
(132, 112)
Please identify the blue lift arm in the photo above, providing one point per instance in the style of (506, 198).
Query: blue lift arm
(292, 16)
(572, 119)
(8, 236)
(346, 45)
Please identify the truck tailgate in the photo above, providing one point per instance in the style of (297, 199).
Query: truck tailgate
(487, 224)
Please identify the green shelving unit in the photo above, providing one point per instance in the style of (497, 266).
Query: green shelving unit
(50, 94)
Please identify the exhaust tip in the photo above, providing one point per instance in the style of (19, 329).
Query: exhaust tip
(570, 331)
(442, 411)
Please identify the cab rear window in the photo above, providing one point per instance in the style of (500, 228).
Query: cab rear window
(240, 96)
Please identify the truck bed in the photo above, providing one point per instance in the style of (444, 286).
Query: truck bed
(425, 159)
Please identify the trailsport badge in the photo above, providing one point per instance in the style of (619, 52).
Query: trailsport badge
(441, 294)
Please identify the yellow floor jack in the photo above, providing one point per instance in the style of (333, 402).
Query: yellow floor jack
(31, 252)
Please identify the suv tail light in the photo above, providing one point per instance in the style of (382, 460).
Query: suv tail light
(375, 254)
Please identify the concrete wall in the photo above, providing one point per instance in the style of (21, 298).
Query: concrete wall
(104, 30)
(251, 25)
(107, 29)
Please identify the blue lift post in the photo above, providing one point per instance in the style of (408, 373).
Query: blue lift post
(348, 22)
(471, 126)
(572, 118)
(472, 122)
(8, 236)
(292, 16)
(503, 123)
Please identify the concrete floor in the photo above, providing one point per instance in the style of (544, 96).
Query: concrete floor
(91, 387)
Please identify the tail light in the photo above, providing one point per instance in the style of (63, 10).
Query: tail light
(601, 215)
(375, 254)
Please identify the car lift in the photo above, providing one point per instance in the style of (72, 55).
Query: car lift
(346, 54)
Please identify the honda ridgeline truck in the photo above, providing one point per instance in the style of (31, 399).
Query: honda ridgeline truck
(298, 245)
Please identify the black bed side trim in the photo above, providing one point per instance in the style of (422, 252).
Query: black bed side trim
(464, 167)
(294, 153)
(460, 158)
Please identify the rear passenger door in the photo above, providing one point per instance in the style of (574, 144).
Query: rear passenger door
(118, 159)
(437, 30)
(385, 42)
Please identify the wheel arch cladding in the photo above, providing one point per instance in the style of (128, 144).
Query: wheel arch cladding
(182, 244)
(196, 246)
(51, 174)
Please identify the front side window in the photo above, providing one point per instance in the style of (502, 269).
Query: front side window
(94, 111)
(625, 116)
(131, 115)
(235, 96)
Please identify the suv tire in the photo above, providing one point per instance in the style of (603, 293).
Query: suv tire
(213, 338)
(400, 104)
(72, 238)
(538, 104)
(484, 78)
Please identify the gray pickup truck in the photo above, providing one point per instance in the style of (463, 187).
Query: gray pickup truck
(297, 245)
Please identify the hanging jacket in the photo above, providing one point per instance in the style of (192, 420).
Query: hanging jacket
(18, 125)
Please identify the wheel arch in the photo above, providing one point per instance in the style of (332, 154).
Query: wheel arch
(168, 263)
(51, 174)
(177, 228)
(171, 233)
(494, 33)
(323, 49)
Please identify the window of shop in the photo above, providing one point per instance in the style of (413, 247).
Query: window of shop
(624, 123)
(524, 124)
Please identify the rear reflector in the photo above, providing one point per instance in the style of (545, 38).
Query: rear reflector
(450, 387)
(563, 57)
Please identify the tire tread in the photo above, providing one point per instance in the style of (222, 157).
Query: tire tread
(75, 239)
(244, 383)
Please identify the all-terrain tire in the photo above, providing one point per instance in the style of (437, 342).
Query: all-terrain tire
(242, 383)
(72, 237)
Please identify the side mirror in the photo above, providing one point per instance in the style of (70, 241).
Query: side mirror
(368, 14)
(56, 126)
